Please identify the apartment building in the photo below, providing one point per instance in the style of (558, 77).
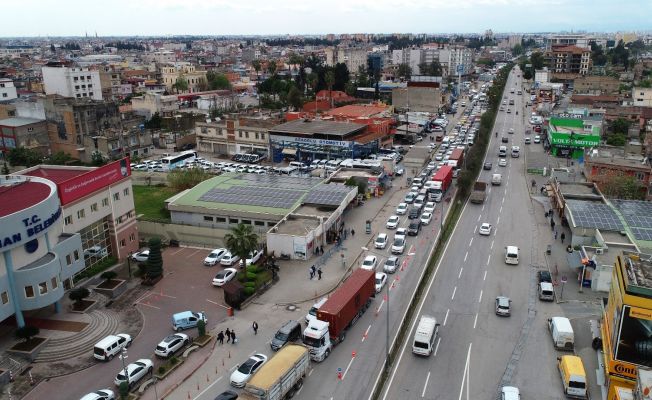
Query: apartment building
(453, 57)
(569, 60)
(73, 82)
(110, 82)
(582, 41)
(235, 135)
(29, 133)
(412, 57)
(642, 97)
(602, 164)
(7, 90)
(187, 71)
(151, 102)
(353, 57)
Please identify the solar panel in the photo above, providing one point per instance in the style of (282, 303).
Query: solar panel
(253, 196)
(589, 214)
(328, 195)
(638, 215)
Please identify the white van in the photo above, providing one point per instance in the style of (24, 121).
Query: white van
(297, 164)
(511, 255)
(563, 337)
(424, 337)
(111, 345)
(546, 291)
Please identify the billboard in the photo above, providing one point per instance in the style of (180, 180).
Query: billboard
(85, 184)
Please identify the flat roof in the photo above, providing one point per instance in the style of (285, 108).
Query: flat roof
(638, 272)
(319, 127)
(298, 226)
(19, 121)
(358, 110)
(576, 188)
(57, 175)
(18, 196)
(593, 214)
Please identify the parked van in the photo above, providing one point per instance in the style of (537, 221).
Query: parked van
(297, 164)
(511, 255)
(289, 332)
(424, 337)
(187, 320)
(111, 345)
(546, 292)
(573, 376)
(312, 313)
(561, 330)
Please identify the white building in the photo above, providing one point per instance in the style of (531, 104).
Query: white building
(7, 90)
(542, 75)
(454, 56)
(72, 81)
(642, 97)
(411, 57)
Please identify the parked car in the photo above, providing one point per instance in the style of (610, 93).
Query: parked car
(414, 228)
(96, 251)
(214, 257)
(253, 257)
(135, 372)
(245, 371)
(537, 139)
(544, 276)
(227, 395)
(171, 344)
(391, 264)
(140, 256)
(509, 393)
(101, 394)
(224, 276)
(229, 259)
(370, 262)
(381, 280)
(426, 217)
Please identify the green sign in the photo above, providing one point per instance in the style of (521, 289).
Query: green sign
(577, 140)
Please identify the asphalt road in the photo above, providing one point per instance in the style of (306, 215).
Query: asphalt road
(478, 351)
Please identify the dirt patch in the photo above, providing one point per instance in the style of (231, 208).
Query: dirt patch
(82, 305)
(29, 345)
(109, 284)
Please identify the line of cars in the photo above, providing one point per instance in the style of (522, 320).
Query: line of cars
(225, 258)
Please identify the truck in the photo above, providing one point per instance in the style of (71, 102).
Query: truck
(281, 377)
(457, 155)
(479, 192)
(443, 179)
(342, 309)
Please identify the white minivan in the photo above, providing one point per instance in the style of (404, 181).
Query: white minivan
(511, 255)
(111, 345)
(424, 337)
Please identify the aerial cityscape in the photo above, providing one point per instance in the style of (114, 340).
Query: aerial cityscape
(216, 201)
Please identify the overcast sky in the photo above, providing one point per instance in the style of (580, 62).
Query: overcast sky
(260, 17)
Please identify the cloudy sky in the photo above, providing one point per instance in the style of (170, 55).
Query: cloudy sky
(242, 17)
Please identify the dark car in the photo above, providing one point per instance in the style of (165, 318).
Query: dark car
(487, 166)
(544, 276)
(504, 139)
(228, 395)
(414, 227)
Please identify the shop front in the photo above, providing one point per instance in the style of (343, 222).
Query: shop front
(308, 149)
(568, 137)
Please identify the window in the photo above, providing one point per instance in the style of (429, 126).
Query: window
(246, 221)
(132, 237)
(68, 259)
(90, 86)
(78, 95)
(90, 93)
(262, 136)
(105, 202)
(259, 223)
(29, 292)
(208, 218)
(67, 220)
(88, 77)
(81, 214)
(76, 255)
(4, 95)
(94, 207)
(76, 79)
(5, 297)
(220, 220)
(639, 175)
(54, 282)
(83, 86)
(123, 243)
(116, 196)
(247, 135)
(257, 135)
(42, 288)
(125, 192)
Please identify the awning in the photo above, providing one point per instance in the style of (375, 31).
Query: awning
(289, 151)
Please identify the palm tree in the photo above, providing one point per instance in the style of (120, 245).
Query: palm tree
(241, 241)
(257, 67)
(329, 79)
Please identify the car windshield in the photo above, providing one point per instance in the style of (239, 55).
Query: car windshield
(281, 336)
(378, 281)
(247, 366)
(214, 254)
(221, 275)
(398, 242)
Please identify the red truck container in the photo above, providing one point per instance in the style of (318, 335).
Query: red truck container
(445, 176)
(347, 303)
(457, 155)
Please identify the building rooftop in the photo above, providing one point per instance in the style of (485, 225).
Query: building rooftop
(55, 173)
(296, 225)
(569, 188)
(358, 110)
(19, 121)
(638, 273)
(593, 215)
(616, 156)
(318, 127)
(18, 196)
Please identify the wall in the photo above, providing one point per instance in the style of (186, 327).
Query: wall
(185, 234)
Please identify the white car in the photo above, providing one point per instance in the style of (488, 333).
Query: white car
(429, 207)
(171, 344)
(426, 217)
(245, 371)
(229, 259)
(509, 393)
(511, 131)
(252, 258)
(485, 229)
(439, 157)
(502, 162)
(537, 139)
(401, 209)
(398, 247)
(135, 372)
(214, 257)
(224, 276)
(101, 394)
(96, 251)
(381, 241)
(392, 222)
(391, 264)
(401, 232)
(381, 280)
(409, 198)
(140, 256)
(370, 263)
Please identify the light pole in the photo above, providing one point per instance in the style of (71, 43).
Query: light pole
(123, 357)
(387, 355)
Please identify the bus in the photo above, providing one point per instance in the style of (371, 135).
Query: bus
(179, 160)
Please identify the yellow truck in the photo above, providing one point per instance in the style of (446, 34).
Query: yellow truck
(281, 377)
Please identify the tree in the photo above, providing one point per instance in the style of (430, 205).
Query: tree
(312, 79)
(109, 275)
(124, 390)
(620, 125)
(181, 85)
(201, 327)
(616, 139)
(404, 71)
(517, 50)
(59, 158)
(218, 81)
(527, 74)
(27, 332)
(24, 157)
(97, 159)
(294, 98)
(182, 179)
(432, 69)
(5, 169)
(342, 76)
(329, 79)
(623, 187)
(598, 57)
(78, 295)
(256, 65)
(537, 60)
(241, 241)
(52, 48)
(271, 67)
(154, 264)
(202, 85)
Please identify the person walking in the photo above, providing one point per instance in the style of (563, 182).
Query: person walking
(319, 273)
(555, 235)
(233, 338)
(312, 271)
(352, 233)
(220, 337)
(228, 335)
(562, 237)
(255, 326)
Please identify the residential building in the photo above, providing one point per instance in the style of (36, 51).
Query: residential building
(602, 164)
(150, 103)
(423, 93)
(110, 82)
(596, 85)
(542, 75)
(568, 61)
(187, 71)
(411, 56)
(513, 40)
(579, 40)
(353, 57)
(161, 56)
(73, 82)
(457, 57)
(20, 132)
(641, 97)
(7, 90)
(568, 137)
(235, 135)
(39, 259)
(18, 51)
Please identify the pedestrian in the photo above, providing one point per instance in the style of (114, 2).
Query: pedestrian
(344, 233)
(552, 224)
(321, 250)
(319, 273)
(220, 337)
(255, 326)
(233, 338)
(563, 236)
(555, 235)
(312, 272)
(228, 335)
(352, 233)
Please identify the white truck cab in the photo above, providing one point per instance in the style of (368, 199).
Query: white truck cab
(318, 340)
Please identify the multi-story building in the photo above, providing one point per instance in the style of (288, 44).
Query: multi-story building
(161, 56)
(29, 133)
(353, 57)
(7, 90)
(423, 93)
(187, 71)
(596, 85)
(582, 41)
(641, 97)
(110, 82)
(603, 164)
(150, 103)
(230, 136)
(457, 57)
(569, 60)
(73, 82)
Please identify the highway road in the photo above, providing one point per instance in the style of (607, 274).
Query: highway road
(477, 351)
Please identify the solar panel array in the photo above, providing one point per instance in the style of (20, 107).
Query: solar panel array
(589, 214)
(253, 196)
(283, 182)
(328, 195)
(638, 215)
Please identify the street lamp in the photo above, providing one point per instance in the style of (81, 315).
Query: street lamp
(123, 357)
(387, 355)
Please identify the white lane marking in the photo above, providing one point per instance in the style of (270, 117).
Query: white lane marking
(492, 244)
(466, 255)
(488, 259)
(149, 305)
(480, 299)
(380, 307)
(497, 222)
(484, 278)
(466, 369)
(470, 242)
(460, 274)
(446, 317)
(503, 200)
(311, 371)
(347, 368)
(479, 216)
(475, 321)
(454, 290)
(501, 210)
(209, 386)
(423, 393)
(365, 333)
(482, 206)
(475, 229)
(437, 345)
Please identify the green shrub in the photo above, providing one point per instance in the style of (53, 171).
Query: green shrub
(249, 291)
(251, 276)
(242, 277)
(201, 327)
(174, 360)
(124, 389)
(97, 268)
(250, 284)
(161, 369)
(253, 268)
(108, 275)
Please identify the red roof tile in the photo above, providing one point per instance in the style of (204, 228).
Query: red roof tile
(56, 175)
(23, 195)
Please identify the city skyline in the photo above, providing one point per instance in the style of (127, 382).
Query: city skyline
(294, 17)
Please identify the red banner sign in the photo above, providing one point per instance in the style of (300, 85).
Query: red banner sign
(85, 184)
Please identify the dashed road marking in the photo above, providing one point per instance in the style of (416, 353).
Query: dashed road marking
(454, 290)
(446, 317)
